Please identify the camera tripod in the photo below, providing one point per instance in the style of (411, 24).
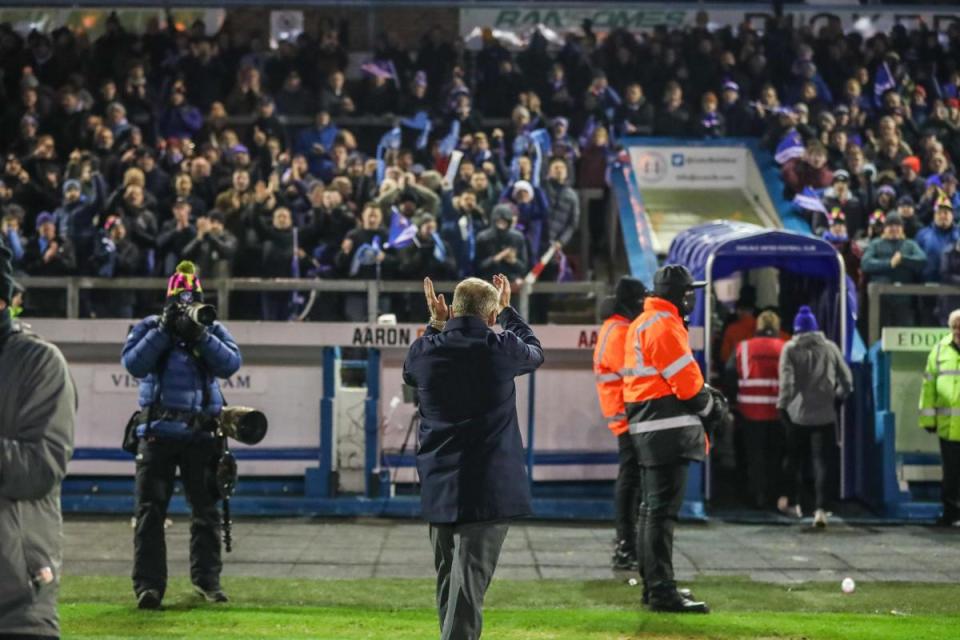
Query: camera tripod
(414, 426)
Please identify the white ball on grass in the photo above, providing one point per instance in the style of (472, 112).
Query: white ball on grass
(848, 585)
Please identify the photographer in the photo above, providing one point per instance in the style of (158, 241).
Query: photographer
(178, 358)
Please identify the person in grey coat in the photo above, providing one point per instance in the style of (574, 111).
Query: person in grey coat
(814, 380)
(37, 411)
(564, 216)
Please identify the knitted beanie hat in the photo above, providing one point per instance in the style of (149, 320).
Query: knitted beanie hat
(184, 279)
(805, 321)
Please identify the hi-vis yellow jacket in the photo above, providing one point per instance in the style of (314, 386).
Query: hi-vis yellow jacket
(940, 394)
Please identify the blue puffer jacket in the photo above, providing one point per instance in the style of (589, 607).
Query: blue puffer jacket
(182, 379)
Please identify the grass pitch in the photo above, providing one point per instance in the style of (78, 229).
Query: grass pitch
(97, 607)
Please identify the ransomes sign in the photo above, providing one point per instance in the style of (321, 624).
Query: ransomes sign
(911, 338)
(615, 18)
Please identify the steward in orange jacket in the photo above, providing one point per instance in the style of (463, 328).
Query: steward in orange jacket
(667, 405)
(608, 369)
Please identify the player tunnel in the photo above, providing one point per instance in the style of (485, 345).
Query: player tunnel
(799, 270)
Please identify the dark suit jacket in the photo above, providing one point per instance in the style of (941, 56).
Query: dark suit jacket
(470, 458)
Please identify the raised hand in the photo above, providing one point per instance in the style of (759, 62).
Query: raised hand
(436, 304)
(503, 286)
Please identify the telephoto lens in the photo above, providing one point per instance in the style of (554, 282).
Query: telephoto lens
(205, 314)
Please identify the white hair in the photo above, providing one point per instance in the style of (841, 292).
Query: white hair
(475, 297)
(954, 318)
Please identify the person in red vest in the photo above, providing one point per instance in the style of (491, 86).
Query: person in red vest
(758, 385)
(608, 358)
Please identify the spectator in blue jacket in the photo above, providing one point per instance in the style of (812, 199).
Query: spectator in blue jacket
(180, 119)
(316, 143)
(178, 362)
(936, 238)
(75, 217)
(470, 457)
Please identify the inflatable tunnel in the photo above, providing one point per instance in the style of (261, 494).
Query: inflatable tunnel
(720, 249)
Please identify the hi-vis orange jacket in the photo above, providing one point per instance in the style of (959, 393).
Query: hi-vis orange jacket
(663, 387)
(608, 369)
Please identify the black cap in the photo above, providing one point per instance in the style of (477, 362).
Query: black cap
(629, 290)
(217, 216)
(629, 296)
(672, 279)
(892, 220)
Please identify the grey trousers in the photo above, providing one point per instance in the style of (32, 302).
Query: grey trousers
(465, 556)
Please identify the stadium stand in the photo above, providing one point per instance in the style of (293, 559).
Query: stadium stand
(129, 152)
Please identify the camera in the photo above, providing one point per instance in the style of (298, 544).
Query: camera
(189, 320)
(199, 313)
(243, 424)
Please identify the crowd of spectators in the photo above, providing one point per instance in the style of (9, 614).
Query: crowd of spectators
(130, 152)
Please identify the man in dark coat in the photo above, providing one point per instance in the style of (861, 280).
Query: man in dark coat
(38, 404)
(470, 458)
(500, 248)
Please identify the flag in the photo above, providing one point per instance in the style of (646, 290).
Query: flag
(808, 200)
(449, 142)
(380, 69)
(365, 255)
(468, 234)
(389, 140)
(882, 83)
(539, 267)
(790, 147)
(296, 297)
(439, 249)
(419, 122)
(402, 231)
(541, 138)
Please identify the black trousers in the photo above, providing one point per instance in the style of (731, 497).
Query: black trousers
(663, 489)
(807, 444)
(950, 488)
(157, 463)
(763, 443)
(626, 491)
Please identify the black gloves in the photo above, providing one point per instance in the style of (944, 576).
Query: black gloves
(719, 417)
(168, 319)
(179, 326)
(930, 429)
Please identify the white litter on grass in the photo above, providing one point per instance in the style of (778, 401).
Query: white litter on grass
(632, 582)
(800, 558)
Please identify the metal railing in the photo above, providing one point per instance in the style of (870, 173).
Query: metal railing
(223, 287)
(876, 291)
